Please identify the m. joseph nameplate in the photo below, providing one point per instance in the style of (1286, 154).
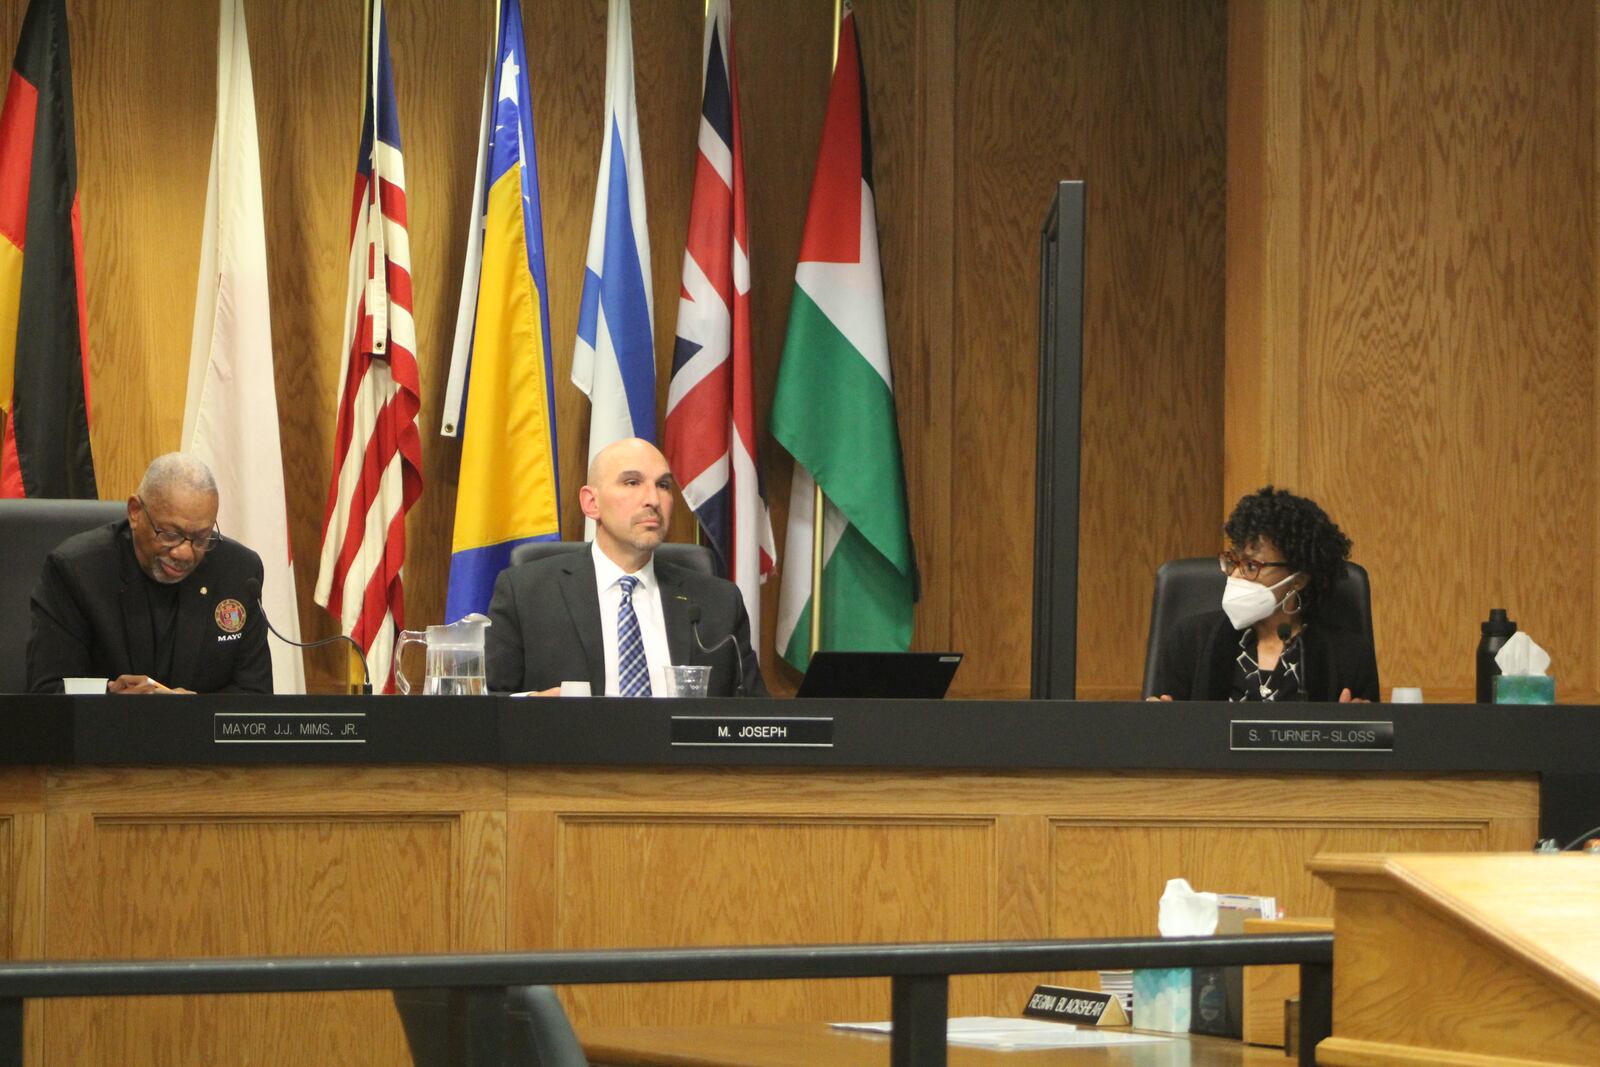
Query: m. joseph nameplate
(288, 728)
(1291, 735)
(765, 731)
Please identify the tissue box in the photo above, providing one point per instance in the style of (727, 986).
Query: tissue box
(1161, 999)
(1524, 689)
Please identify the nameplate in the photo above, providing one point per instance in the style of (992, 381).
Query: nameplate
(1290, 735)
(288, 728)
(764, 731)
(1086, 1007)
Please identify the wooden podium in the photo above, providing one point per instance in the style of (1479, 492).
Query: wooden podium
(170, 827)
(1457, 960)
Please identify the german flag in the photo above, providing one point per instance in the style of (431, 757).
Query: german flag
(44, 332)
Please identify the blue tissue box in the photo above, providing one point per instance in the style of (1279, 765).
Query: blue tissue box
(1524, 689)
(1161, 999)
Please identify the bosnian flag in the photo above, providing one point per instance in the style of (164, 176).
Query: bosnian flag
(614, 360)
(500, 397)
(710, 427)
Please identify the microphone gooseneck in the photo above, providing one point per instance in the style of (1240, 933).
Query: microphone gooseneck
(738, 656)
(1283, 632)
(253, 590)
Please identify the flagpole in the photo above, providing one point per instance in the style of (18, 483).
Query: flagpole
(355, 669)
(819, 503)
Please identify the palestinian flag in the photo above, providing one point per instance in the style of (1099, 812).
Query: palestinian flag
(834, 409)
(44, 332)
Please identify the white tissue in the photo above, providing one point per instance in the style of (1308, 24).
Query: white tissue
(1185, 913)
(1520, 655)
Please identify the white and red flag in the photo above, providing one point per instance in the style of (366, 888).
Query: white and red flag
(710, 436)
(377, 461)
(230, 413)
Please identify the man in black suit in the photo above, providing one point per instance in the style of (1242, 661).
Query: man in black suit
(613, 613)
(155, 603)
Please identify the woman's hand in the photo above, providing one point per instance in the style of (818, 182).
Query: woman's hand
(1346, 698)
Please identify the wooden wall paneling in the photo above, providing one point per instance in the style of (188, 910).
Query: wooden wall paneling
(291, 861)
(481, 860)
(144, 121)
(598, 854)
(1130, 98)
(22, 873)
(904, 49)
(784, 58)
(1261, 391)
(307, 63)
(22, 905)
(1448, 348)
(805, 879)
(1022, 897)
(927, 377)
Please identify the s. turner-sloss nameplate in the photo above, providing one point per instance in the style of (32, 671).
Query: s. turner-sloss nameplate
(781, 731)
(288, 728)
(1289, 735)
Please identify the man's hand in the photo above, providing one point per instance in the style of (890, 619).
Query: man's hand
(140, 683)
(1164, 698)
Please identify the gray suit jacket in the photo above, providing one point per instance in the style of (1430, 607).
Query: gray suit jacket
(546, 626)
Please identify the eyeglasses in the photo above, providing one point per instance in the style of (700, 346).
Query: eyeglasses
(204, 542)
(1247, 567)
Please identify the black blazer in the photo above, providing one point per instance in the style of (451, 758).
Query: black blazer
(91, 618)
(545, 628)
(1201, 650)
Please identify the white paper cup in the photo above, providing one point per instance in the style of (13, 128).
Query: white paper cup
(84, 686)
(682, 680)
(1405, 694)
(575, 689)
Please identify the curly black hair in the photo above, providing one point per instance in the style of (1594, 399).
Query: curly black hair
(1310, 541)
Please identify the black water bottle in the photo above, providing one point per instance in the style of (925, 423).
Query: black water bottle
(1495, 633)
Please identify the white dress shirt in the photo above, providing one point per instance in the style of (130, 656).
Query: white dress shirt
(646, 606)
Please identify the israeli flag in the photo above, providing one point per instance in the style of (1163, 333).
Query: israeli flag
(614, 361)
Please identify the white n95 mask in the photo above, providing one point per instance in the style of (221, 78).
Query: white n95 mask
(1247, 602)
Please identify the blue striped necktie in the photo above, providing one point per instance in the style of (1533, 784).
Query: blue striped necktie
(633, 673)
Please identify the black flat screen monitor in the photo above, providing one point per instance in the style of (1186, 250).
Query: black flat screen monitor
(904, 675)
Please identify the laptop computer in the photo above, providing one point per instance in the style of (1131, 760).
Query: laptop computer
(904, 675)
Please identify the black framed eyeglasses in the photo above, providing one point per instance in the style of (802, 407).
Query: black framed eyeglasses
(1248, 568)
(172, 538)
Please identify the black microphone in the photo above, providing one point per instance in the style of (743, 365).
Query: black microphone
(253, 589)
(1283, 632)
(738, 657)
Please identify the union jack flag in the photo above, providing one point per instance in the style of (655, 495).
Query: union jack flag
(377, 463)
(710, 433)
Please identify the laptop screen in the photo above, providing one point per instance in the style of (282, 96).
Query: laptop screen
(904, 675)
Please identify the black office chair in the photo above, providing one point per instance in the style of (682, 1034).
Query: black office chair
(29, 531)
(693, 557)
(538, 1030)
(541, 1034)
(1187, 587)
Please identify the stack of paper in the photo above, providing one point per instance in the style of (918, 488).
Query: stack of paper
(984, 1031)
(1120, 985)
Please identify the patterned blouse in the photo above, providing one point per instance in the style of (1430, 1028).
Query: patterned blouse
(1251, 683)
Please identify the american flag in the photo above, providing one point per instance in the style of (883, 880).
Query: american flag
(377, 464)
(710, 433)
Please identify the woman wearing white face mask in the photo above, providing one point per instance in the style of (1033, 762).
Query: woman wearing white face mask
(1267, 643)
